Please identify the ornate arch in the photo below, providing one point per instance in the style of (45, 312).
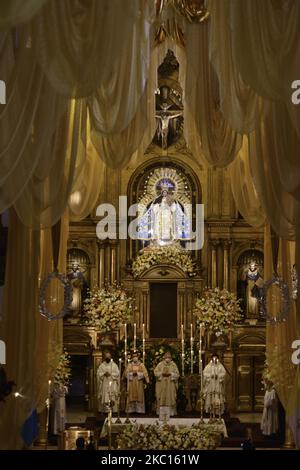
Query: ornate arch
(148, 175)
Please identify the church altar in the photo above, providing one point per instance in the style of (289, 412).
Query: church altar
(117, 428)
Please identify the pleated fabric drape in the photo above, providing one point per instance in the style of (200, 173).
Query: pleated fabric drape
(80, 79)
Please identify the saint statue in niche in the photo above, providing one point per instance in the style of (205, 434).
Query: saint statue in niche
(254, 283)
(77, 279)
(164, 221)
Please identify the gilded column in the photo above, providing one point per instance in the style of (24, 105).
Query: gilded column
(107, 264)
(101, 263)
(113, 262)
(289, 442)
(226, 248)
(214, 244)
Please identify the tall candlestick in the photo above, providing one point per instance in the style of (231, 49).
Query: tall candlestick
(127, 421)
(109, 389)
(201, 373)
(182, 351)
(200, 356)
(134, 337)
(120, 374)
(192, 350)
(48, 411)
(125, 343)
(144, 341)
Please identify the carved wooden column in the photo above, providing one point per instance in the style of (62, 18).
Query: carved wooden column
(107, 264)
(101, 263)
(226, 249)
(289, 442)
(214, 244)
(113, 261)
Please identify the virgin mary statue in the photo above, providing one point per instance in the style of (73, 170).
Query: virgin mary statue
(164, 222)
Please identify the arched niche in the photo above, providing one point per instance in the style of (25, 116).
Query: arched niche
(137, 189)
(79, 275)
(243, 261)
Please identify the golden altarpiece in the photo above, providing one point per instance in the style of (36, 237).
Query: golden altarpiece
(164, 294)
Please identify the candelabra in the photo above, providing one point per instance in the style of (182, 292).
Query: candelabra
(118, 396)
(127, 420)
(219, 409)
(214, 405)
(201, 399)
(109, 405)
(211, 408)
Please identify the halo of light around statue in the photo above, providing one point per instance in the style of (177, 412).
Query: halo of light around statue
(283, 313)
(68, 296)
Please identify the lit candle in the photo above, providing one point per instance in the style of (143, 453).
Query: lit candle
(48, 398)
(192, 350)
(125, 342)
(120, 375)
(127, 376)
(134, 337)
(144, 341)
(200, 351)
(182, 351)
(201, 373)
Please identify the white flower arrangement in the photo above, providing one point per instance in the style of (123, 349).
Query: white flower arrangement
(63, 371)
(107, 308)
(218, 309)
(168, 437)
(164, 255)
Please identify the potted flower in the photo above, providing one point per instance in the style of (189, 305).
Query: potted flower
(218, 310)
(107, 308)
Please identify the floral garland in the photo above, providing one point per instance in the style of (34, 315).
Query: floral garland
(108, 308)
(63, 370)
(218, 309)
(164, 255)
(168, 437)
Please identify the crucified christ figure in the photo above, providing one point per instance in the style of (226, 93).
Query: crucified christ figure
(165, 116)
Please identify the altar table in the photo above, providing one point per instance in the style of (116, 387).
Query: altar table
(117, 428)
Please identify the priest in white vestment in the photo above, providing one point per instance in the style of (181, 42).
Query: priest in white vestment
(269, 422)
(214, 386)
(167, 375)
(108, 376)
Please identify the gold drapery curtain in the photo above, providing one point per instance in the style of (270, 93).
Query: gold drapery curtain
(18, 11)
(280, 336)
(33, 343)
(83, 57)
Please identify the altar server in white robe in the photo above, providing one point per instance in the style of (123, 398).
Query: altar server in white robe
(167, 375)
(269, 422)
(214, 385)
(108, 376)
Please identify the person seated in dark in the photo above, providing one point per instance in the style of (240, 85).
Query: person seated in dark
(91, 444)
(80, 443)
(248, 444)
